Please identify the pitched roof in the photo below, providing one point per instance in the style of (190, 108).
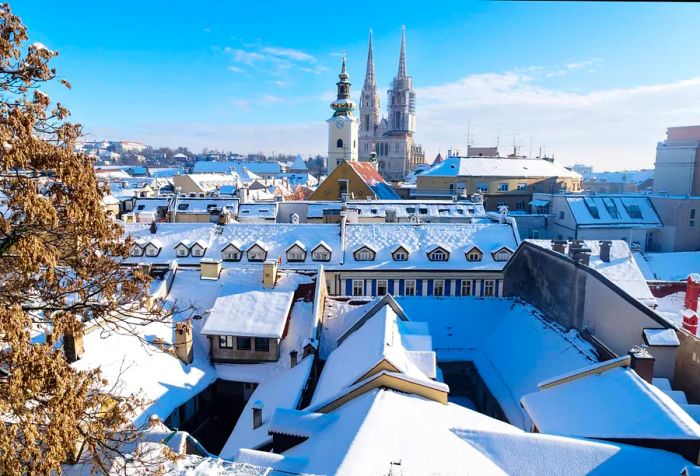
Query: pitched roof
(498, 167)
(369, 174)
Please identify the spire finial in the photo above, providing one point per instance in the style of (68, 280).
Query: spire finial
(402, 57)
(369, 76)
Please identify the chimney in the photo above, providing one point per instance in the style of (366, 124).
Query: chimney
(690, 321)
(605, 250)
(692, 292)
(73, 345)
(183, 341)
(153, 421)
(154, 227)
(293, 358)
(269, 273)
(257, 414)
(209, 268)
(642, 362)
(583, 256)
(559, 246)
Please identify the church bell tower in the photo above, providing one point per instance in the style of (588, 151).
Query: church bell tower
(343, 126)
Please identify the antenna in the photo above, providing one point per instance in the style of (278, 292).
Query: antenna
(469, 135)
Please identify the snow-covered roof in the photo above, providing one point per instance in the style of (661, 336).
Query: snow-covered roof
(205, 205)
(369, 174)
(603, 210)
(384, 431)
(379, 338)
(207, 167)
(276, 238)
(621, 270)
(421, 239)
(616, 403)
(142, 205)
(424, 209)
(258, 210)
(672, 266)
(497, 167)
(246, 309)
(636, 177)
(298, 164)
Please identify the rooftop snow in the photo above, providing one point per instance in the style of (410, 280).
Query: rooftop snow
(497, 167)
(675, 266)
(621, 270)
(204, 166)
(384, 238)
(403, 209)
(617, 403)
(597, 210)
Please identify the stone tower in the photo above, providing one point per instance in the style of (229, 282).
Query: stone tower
(343, 126)
(402, 97)
(370, 113)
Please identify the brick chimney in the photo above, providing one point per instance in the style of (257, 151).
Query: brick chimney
(692, 292)
(293, 356)
(209, 268)
(183, 341)
(605, 250)
(642, 362)
(257, 414)
(73, 345)
(690, 321)
(269, 273)
(559, 246)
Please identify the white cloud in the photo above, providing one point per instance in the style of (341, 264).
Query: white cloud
(274, 60)
(289, 53)
(610, 129)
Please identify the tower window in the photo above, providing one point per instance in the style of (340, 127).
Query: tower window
(339, 143)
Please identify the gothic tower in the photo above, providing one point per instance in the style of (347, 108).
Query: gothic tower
(370, 115)
(402, 98)
(343, 125)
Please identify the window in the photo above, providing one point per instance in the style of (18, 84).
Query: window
(522, 186)
(226, 342)
(381, 287)
(691, 222)
(339, 143)
(410, 287)
(364, 254)
(321, 255)
(438, 255)
(520, 205)
(534, 234)
(502, 255)
(474, 255)
(439, 287)
(243, 343)
(232, 256)
(466, 287)
(152, 251)
(182, 251)
(358, 287)
(197, 251)
(489, 286)
(400, 255)
(482, 187)
(561, 215)
(396, 147)
(183, 206)
(136, 251)
(503, 187)
(140, 207)
(262, 344)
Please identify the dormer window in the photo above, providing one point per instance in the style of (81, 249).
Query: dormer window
(400, 254)
(321, 252)
(231, 253)
(198, 249)
(502, 254)
(257, 253)
(296, 253)
(439, 254)
(153, 249)
(137, 250)
(182, 249)
(474, 254)
(364, 254)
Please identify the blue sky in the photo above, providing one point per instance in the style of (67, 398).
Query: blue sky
(590, 82)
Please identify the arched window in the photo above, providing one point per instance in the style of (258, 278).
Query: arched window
(339, 143)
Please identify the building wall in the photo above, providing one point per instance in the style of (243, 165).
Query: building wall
(186, 184)
(219, 354)
(677, 234)
(578, 297)
(688, 366)
(190, 217)
(341, 283)
(675, 169)
(329, 189)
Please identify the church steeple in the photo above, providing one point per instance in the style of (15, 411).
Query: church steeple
(402, 56)
(369, 75)
(343, 105)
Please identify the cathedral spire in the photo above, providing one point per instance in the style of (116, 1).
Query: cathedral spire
(369, 76)
(402, 58)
